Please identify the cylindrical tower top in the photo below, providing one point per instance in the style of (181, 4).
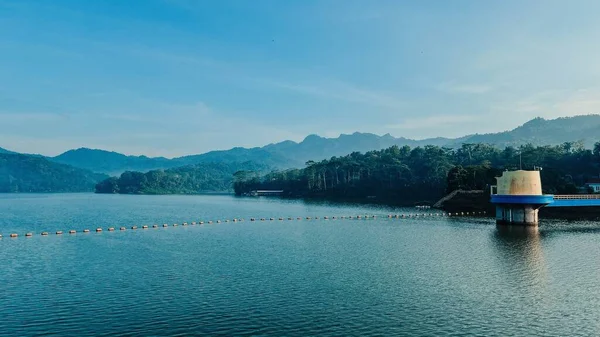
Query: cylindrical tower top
(519, 183)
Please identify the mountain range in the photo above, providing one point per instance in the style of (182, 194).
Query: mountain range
(289, 154)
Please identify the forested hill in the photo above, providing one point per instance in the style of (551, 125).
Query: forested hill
(207, 177)
(5, 151)
(25, 173)
(402, 175)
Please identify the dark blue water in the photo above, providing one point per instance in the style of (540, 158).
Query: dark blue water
(430, 276)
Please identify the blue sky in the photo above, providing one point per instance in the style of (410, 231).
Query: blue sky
(175, 77)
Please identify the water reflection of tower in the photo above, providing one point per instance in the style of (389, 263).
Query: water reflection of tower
(521, 254)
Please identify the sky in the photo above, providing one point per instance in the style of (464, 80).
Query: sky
(176, 77)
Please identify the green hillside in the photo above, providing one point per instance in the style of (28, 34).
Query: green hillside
(207, 177)
(24, 173)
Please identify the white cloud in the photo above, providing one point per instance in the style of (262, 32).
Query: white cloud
(552, 104)
(338, 90)
(579, 102)
(431, 122)
(30, 117)
(464, 88)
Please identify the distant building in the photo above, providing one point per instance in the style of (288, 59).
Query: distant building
(257, 193)
(593, 184)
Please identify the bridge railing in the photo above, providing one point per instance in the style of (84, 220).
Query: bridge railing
(576, 196)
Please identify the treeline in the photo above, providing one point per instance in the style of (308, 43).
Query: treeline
(424, 174)
(26, 173)
(209, 177)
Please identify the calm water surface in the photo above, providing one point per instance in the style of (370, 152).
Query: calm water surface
(417, 277)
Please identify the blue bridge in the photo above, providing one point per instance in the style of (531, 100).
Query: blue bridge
(549, 200)
(575, 200)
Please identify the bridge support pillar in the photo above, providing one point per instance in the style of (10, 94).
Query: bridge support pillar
(525, 215)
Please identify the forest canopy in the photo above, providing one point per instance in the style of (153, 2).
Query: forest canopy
(407, 175)
(208, 177)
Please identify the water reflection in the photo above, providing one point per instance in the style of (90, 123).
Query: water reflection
(521, 252)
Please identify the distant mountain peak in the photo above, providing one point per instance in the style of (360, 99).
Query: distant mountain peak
(312, 137)
(534, 122)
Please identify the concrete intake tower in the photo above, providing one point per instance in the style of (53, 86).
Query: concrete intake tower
(518, 197)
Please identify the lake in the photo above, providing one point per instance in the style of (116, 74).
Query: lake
(431, 276)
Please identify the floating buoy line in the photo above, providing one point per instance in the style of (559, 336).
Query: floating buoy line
(269, 219)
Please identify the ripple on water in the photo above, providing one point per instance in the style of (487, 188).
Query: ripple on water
(428, 276)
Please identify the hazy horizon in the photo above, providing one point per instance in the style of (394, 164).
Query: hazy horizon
(178, 77)
(229, 148)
